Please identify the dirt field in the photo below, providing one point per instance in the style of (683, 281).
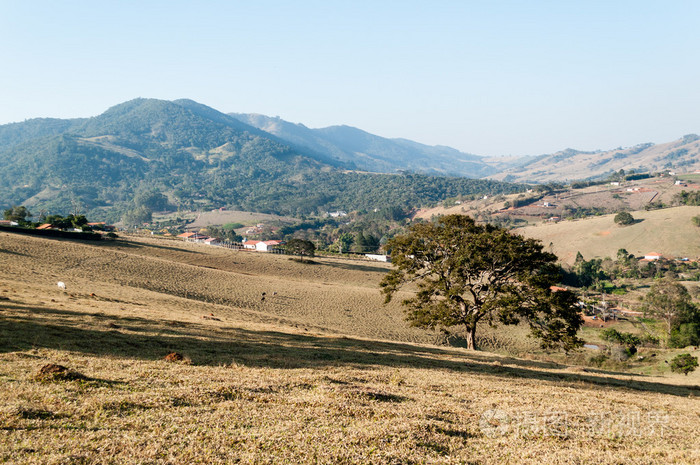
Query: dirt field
(317, 372)
(220, 217)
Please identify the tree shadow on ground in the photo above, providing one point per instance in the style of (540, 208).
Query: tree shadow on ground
(127, 244)
(352, 266)
(24, 327)
(11, 252)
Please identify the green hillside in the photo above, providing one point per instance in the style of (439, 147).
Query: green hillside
(199, 158)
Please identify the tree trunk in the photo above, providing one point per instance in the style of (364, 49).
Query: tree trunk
(471, 338)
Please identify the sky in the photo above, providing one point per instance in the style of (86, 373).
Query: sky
(486, 77)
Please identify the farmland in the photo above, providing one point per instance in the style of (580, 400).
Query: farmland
(317, 371)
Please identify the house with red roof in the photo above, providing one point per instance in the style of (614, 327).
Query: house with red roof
(251, 245)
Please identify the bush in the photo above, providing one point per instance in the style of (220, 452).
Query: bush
(624, 218)
(684, 363)
(613, 335)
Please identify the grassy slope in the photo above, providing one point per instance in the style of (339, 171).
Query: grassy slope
(668, 232)
(272, 382)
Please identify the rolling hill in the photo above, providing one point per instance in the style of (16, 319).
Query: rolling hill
(669, 232)
(681, 155)
(199, 158)
(364, 151)
(320, 371)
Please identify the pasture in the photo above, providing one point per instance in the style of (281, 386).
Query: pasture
(317, 372)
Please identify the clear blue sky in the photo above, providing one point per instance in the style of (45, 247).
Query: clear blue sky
(487, 77)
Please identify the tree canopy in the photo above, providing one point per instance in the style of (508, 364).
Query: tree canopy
(467, 273)
(624, 218)
(17, 213)
(301, 247)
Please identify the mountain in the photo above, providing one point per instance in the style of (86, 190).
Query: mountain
(198, 158)
(358, 149)
(569, 165)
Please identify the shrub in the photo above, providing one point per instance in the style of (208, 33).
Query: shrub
(624, 218)
(613, 335)
(684, 363)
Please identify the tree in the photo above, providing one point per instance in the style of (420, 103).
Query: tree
(684, 363)
(137, 216)
(670, 301)
(18, 214)
(151, 199)
(468, 273)
(301, 247)
(344, 242)
(624, 218)
(624, 257)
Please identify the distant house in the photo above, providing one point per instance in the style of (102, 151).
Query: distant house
(652, 256)
(45, 226)
(266, 246)
(8, 223)
(250, 244)
(193, 237)
(378, 257)
(212, 241)
(337, 214)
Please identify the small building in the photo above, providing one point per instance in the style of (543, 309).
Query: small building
(378, 257)
(652, 256)
(266, 246)
(251, 245)
(45, 226)
(212, 241)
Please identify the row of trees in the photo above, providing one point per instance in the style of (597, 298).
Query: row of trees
(21, 215)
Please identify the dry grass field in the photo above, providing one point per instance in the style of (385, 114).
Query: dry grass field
(317, 372)
(219, 217)
(669, 232)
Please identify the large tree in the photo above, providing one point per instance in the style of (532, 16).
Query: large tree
(468, 273)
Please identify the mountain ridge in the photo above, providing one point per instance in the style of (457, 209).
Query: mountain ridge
(199, 158)
(362, 150)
